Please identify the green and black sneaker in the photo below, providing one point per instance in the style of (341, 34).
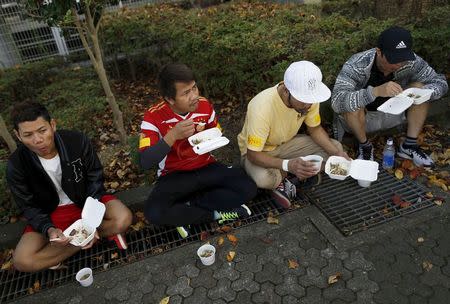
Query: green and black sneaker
(237, 213)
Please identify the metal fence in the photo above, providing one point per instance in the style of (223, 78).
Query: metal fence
(24, 40)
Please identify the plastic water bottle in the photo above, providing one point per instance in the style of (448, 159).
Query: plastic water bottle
(388, 155)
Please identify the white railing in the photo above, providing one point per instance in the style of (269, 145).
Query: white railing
(24, 40)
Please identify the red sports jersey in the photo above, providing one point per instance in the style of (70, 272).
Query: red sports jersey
(159, 119)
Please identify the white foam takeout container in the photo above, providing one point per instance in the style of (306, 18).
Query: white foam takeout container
(365, 170)
(211, 139)
(91, 217)
(398, 104)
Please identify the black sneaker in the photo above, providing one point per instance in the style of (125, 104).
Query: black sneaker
(365, 152)
(237, 213)
(284, 193)
(416, 154)
(310, 182)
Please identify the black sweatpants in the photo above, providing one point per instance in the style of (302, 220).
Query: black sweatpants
(190, 197)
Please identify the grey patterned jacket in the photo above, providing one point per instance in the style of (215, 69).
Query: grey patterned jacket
(349, 92)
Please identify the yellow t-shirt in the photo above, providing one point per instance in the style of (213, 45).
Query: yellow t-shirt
(269, 122)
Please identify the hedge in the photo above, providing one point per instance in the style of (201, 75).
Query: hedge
(239, 48)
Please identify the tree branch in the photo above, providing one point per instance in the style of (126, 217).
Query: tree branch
(84, 41)
(99, 21)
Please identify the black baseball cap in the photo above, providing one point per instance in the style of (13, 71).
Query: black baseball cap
(396, 45)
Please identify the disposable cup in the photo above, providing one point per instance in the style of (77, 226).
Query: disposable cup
(207, 254)
(364, 183)
(84, 276)
(316, 159)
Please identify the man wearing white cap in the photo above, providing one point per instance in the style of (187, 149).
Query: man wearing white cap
(269, 141)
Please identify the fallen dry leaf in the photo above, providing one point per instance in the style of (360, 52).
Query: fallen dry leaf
(231, 255)
(405, 204)
(413, 174)
(165, 300)
(407, 164)
(138, 226)
(426, 265)
(220, 241)
(396, 199)
(98, 258)
(224, 229)
(334, 278)
(37, 286)
(429, 195)
(266, 240)
(140, 215)
(114, 185)
(232, 239)
(271, 219)
(438, 202)
(7, 265)
(420, 240)
(399, 173)
(292, 264)
(204, 235)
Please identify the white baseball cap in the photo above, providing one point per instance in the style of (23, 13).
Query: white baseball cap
(303, 79)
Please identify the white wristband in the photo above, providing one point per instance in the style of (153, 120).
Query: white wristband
(284, 165)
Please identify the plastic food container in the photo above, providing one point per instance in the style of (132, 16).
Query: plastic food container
(207, 254)
(365, 171)
(84, 277)
(317, 159)
(91, 217)
(208, 140)
(398, 104)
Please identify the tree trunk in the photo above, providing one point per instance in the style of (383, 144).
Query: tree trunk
(4, 133)
(117, 114)
(89, 29)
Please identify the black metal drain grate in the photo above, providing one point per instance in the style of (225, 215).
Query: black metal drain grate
(151, 240)
(352, 208)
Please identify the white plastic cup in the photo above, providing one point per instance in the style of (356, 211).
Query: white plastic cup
(316, 159)
(364, 183)
(84, 276)
(207, 260)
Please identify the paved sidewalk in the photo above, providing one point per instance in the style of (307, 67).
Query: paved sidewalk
(404, 261)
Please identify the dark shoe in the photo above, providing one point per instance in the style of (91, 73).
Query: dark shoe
(365, 152)
(237, 213)
(416, 154)
(310, 182)
(284, 193)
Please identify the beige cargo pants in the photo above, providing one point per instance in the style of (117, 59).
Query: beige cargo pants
(300, 145)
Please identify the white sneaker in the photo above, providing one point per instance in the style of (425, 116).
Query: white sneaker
(417, 155)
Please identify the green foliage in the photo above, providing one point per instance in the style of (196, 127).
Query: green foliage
(240, 48)
(7, 207)
(26, 81)
(73, 96)
(58, 12)
(431, 38)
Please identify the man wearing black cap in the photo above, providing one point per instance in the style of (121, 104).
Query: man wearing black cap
(371, 77)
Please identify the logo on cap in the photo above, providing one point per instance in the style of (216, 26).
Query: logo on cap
(401, 45)
(312, 84)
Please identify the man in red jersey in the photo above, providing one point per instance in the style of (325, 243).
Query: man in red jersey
(190, 188)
